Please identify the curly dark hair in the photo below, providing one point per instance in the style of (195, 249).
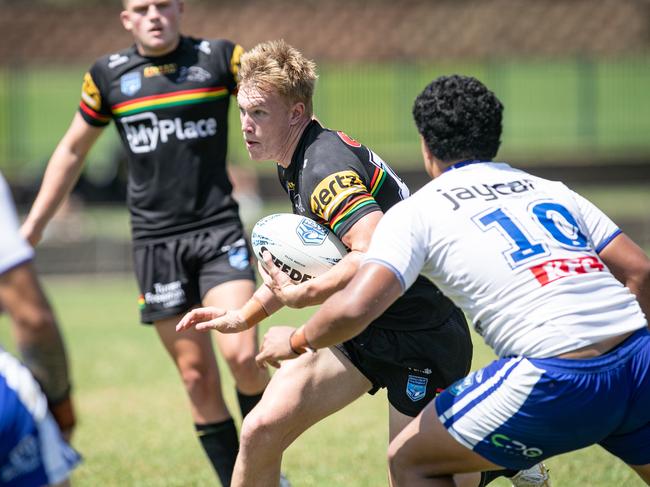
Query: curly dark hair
(459, 118)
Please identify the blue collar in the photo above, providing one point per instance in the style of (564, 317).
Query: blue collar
(460, 164)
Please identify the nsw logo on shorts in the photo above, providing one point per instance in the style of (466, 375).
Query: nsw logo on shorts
(238, 258)
(416, 387)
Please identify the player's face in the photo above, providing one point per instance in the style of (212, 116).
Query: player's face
(266, 121)
(154, 24)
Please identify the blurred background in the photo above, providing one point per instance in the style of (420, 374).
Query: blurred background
(574, 76)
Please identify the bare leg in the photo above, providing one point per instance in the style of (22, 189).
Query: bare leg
(301, 393)
(425, 454)
(194, 357)
(398, 421)
(238, 349)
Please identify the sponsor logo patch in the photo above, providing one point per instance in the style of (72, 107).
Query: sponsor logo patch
(348, 140)
(151, 71)
(90, 93)
(168, 294)
(130, 83)
(416, 387)
(238, 258)
(145, 131)
(461, 385)
(333, 190)
(552, 270)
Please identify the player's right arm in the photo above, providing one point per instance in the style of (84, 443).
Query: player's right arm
(631, 266)
(62, 173)
(262, 304)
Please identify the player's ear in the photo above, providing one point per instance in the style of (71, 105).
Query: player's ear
(297, 113)
(126, 20)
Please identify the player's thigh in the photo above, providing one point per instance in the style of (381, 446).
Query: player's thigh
(190, 349)
(425, 444)
(397, 421)
(233, 295)
(307, 389)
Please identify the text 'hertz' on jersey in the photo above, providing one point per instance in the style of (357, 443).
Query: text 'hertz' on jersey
(171, 113)
(336, 181)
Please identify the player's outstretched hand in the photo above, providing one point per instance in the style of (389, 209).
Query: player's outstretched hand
(279, 283)
(210, 318)
(276, 346)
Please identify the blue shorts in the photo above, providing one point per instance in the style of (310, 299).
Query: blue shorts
(517, 411)
(32, 451)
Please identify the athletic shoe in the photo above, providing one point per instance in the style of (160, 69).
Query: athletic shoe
(535, 476)
(284, 482)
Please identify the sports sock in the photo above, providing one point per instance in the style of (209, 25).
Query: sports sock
(247, 403)
(221, 444)
(489, 476)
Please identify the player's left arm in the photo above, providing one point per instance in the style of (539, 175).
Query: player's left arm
(343, 316)
(630, 265)
(39, 340)
(318, 289)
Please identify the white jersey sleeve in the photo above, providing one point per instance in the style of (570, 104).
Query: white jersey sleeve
(396, 246)
(600, 228)
(14, 250)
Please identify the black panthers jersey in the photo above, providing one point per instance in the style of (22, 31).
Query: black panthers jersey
(336, 181)
(171, 113)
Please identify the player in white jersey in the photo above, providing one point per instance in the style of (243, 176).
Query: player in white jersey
(548, 280)
(33, 451)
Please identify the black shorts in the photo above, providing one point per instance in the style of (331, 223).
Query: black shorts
(175, 273)
(413, 366)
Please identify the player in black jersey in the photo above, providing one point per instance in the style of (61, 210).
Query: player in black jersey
(417, 347)
(169, 96)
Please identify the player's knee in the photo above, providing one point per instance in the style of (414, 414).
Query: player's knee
(242, 365)
(259, 427)
(396, 462)
(198, 379)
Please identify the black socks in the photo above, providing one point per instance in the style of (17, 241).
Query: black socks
(247, 403)
(221, 444)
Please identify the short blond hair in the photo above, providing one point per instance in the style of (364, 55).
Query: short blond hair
(275, 65)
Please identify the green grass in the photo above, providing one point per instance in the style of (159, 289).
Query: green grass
(135, 429)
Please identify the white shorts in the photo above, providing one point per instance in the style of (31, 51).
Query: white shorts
(517, 411)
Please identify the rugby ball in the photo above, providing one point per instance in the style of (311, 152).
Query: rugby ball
(299, 246)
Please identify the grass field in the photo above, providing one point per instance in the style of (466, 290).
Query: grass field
(135, 429)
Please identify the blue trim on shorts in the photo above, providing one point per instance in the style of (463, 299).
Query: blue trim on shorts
(545, 407)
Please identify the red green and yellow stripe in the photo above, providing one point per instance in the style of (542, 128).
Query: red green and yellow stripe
(348, 210)
(93, 114)
(176, 98)
(377, 181)
(141, 302)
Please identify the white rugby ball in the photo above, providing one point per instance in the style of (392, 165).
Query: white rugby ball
(300, 247)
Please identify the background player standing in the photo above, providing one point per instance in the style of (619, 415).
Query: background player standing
(169, 96)
(36, 419)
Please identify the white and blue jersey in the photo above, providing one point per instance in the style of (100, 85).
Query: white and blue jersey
(14, 250)
(520, 255)
(32, 451)
(517, 253)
